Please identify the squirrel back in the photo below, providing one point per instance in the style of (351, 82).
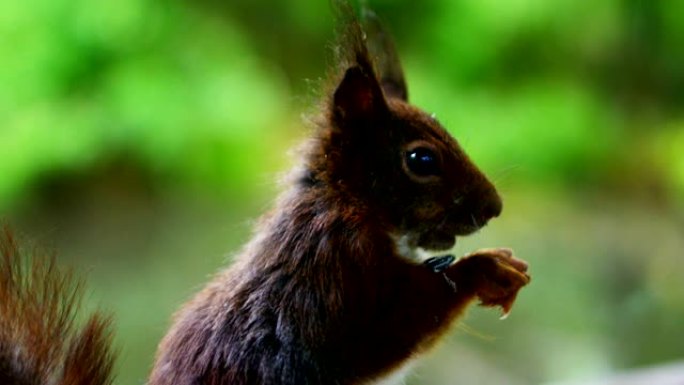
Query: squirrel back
(40, 341)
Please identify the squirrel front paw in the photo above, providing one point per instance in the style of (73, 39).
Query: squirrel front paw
(494, 275)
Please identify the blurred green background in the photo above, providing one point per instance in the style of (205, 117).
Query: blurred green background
(141, 138)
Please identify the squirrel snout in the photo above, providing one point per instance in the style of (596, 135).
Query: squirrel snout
(492, 206)
(485, 204)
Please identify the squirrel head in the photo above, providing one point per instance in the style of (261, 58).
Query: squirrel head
(392, 159)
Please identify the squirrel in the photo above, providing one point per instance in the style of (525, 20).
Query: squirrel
(334, 287)
(330, 289)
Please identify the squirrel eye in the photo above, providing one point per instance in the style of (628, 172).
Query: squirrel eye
(422, 162)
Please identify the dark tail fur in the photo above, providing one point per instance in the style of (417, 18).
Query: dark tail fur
(40, 343)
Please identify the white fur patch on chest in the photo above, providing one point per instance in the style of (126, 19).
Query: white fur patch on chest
(408, 252)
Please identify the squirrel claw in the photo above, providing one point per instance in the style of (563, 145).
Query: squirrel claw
(498, 276)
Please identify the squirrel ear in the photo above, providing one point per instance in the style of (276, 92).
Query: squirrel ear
(358, 96)
(382, 49)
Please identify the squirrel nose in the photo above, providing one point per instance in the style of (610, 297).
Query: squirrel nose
(492, 206)
(488, 205)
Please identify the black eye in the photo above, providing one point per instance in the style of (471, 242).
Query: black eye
(422, 162)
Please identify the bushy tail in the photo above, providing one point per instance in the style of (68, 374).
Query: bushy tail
(40, 343)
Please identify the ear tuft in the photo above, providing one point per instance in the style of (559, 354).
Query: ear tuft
(358, 96)
(383, 51)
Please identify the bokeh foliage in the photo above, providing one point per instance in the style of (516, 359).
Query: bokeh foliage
(144, 132)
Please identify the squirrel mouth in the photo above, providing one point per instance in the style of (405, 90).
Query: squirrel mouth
(444, 237)
(437, 241)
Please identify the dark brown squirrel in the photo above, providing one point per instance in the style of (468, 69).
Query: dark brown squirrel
(331, 290)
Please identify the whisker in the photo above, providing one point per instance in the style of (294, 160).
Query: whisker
(477, 226)
(502, 174)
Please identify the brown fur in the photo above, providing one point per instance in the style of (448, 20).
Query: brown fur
(39, 341)
(321, 294)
